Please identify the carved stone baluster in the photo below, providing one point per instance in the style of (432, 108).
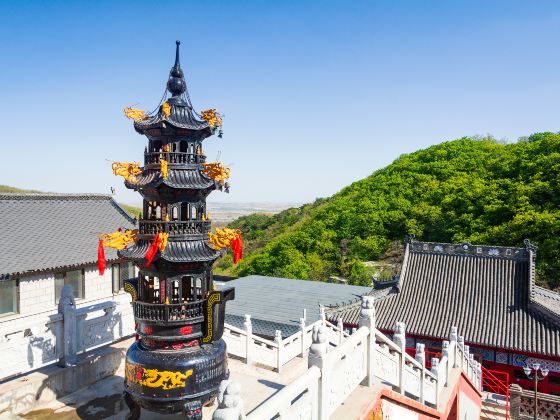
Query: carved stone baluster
(367, 319)
(67, 307)
(230, 404)
(248, 340)
(445, 353)
(420, 356)
(399, 338)
(317, 354)
(303, 338)
(278, 341)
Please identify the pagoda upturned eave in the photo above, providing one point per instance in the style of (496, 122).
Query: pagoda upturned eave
(193, 179)
(176, 251)
(181, 118)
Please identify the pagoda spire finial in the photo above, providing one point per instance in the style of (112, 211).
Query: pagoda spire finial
(176, 84)
(177, 64)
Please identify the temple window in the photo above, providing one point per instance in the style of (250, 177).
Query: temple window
(193, 213)
(74, 278)
(174, 213)
(8, 297)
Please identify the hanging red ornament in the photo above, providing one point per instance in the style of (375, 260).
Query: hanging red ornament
(101, 262)
(237, 248)
(153, 249)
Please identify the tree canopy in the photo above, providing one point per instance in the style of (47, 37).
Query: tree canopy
(476, 190)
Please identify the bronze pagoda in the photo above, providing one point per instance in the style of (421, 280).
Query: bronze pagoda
(179, 358)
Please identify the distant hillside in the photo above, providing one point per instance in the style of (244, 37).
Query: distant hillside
(133, 211)
(475, 190)
(8, 189)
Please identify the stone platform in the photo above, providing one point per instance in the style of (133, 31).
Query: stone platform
(103, 400)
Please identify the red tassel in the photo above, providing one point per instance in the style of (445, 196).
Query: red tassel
(101, 262)
(153, 249)
(237, 248)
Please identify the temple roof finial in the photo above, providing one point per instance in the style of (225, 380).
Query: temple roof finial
(176, 84)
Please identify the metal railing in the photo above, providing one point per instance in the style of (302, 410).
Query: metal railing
(152, 227)
(173, 158)
(157, 312)
(497, 383)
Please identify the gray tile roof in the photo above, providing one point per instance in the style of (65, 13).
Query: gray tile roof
(49, 231)
(278, 303)
(484, 291)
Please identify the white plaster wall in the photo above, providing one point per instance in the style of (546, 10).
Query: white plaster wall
(96, 286)
(468, 409)
(36, 293)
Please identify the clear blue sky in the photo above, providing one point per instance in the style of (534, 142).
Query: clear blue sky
(316, 94)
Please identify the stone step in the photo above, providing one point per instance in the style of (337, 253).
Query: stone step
(492, 411)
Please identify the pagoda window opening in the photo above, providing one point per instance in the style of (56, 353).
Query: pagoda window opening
(174, 213)
(176, 292)
(153, 290)
(184, 211)
(193, 213)
(156, 146)
(154, 210)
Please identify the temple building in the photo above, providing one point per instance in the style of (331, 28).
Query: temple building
(488, 292)
(49, 241)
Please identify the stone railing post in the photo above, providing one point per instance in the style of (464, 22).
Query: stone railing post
(473, 367)
(340, 326)
(67, 308)
(278, 341)
(420, 356)
(303, 338)
(248, 340)
(230, 404)
(367, 319)
(466, 348)
(461, 353)
(515, 392)
(399, 338)
(323, 315)
(453, 342)
(445, 353)
(434, 369)
(317, 354)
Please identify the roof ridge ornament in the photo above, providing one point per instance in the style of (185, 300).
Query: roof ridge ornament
(529, 246)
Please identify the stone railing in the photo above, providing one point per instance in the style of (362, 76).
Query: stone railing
(34, 342)
(241, 342)
(365, 357)
(522, 404)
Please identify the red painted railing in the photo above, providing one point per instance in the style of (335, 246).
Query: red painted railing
(497, 383)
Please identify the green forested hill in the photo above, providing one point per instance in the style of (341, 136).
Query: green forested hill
(475, 190)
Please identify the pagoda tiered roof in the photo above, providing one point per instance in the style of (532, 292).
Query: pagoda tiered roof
(191, 178)
(185, 251)
(488, 292)
(181, 116)
(181, 113)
